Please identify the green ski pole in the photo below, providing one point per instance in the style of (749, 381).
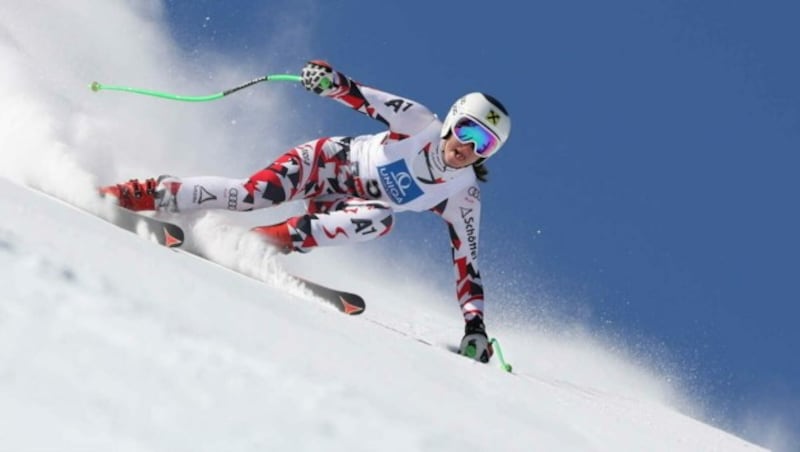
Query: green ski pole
(471, 351)
(497, 349)
(96, 86)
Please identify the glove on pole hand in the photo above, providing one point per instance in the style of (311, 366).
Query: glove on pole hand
(319, 77)
(475, 343)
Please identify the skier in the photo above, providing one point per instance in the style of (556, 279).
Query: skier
(354, 185)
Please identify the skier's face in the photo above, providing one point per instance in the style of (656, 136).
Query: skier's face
(458, 154)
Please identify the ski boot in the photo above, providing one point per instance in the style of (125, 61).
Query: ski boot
(133, 195)
(276, 235)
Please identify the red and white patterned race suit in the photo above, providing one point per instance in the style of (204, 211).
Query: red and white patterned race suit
(353, 185)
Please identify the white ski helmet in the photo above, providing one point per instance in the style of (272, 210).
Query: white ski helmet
(483, 110)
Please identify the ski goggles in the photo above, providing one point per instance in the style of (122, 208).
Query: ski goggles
(467, 130)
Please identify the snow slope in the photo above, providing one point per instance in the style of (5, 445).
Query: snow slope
(110, 342)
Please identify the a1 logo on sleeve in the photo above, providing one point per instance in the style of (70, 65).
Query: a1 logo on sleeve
(398, 183)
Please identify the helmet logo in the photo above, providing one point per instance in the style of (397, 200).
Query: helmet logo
(493, 117)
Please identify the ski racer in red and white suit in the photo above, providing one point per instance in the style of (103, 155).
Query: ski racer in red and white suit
(354, 185)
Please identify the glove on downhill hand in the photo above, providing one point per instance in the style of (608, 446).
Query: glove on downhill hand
(319, 77)
(475, 343)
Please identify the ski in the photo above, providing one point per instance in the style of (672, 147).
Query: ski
(163, 232)
(172, 236)
(346, 302)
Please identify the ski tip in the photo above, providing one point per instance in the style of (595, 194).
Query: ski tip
(350, 308)
(172, 240)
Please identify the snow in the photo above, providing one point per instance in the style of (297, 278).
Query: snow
(111, 342)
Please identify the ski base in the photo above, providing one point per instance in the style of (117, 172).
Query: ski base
(172, 236)
(346, 302)
(163, 232)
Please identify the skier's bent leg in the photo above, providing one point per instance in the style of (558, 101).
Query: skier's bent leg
(306, 171)
(175, 194)
(331, 221)
(271, 186)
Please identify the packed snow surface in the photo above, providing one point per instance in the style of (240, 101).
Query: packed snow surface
(111, 342)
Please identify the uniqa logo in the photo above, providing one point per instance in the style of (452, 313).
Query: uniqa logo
(398, 183)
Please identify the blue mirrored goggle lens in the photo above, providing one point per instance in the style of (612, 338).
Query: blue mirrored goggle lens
(469, 131)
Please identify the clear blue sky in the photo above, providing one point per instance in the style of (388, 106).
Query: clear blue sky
(652, 168)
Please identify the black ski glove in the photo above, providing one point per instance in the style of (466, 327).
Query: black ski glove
(319, 77)
(475, 343)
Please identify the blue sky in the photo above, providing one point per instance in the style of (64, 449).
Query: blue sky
(651, 176)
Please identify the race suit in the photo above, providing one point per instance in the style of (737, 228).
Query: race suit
(353, 185)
